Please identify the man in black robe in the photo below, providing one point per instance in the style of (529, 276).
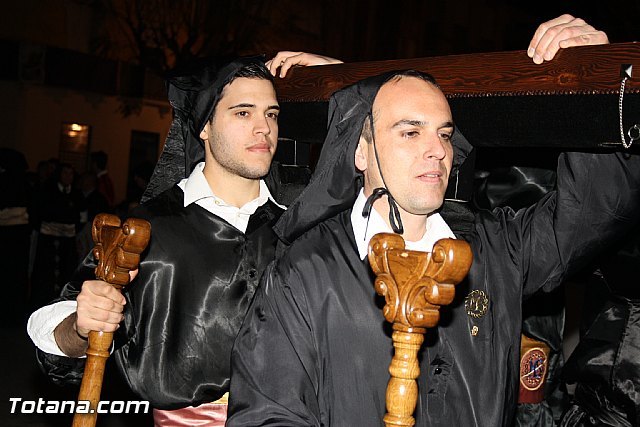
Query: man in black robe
(211, 238)
(314, 348)
(57, 216)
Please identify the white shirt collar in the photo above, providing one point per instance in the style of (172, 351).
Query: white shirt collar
(196, 187)
(197, 190)
(436, 229)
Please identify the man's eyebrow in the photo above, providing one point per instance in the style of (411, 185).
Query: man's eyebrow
(242, 105)
(419, 123)
(246, 105)
(409, 122)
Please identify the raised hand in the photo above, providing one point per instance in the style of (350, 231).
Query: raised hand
(285, 59)
(562, 32)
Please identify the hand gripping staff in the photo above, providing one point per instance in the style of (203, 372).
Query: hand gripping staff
(117, 250)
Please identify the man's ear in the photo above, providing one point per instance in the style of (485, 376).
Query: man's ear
(361, 155)
(204, 135)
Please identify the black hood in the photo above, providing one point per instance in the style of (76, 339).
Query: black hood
(193, 94)
(336, 182)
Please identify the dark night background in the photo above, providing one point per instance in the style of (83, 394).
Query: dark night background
(128, 45)
(352, 30)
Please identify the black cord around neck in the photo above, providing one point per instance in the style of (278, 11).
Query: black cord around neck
(394, 212)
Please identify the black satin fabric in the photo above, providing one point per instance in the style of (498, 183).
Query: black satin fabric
(606, 363)
(513, 186)
(315, 349)
(196, 280)
(542, 313)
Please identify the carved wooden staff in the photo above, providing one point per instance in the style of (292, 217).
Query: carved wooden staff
(117, 250)
(415, 285)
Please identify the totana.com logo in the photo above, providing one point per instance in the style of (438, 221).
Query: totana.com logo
(42, 406)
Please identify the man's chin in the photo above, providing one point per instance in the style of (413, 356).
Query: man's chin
(256, 173)
(425, 211)
(425, 207)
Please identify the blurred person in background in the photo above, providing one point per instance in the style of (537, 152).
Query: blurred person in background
(15, 194)
(57, 217)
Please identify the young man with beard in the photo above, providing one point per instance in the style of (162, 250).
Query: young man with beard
(211, 238)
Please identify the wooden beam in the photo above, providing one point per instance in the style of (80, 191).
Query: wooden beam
(499, 99)
(579, 70)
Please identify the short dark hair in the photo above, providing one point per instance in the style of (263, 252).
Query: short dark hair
(254, 70)
(367, 131)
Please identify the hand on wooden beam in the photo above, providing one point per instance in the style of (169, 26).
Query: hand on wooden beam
(285, 59)
(562, 32)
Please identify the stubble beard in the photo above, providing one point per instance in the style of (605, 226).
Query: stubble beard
(421, 202)
(219, 150)
(422, 207)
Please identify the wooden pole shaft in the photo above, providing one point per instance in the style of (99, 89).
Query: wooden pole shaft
(117, 251)
(402, 389)
(91, 387)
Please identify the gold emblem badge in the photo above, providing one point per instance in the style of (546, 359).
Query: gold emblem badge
(476, 303)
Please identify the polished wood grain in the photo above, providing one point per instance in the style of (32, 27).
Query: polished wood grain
(414, 285)
(117, 250)
(579, 70)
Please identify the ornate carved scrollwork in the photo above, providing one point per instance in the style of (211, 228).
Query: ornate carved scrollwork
(414, 285)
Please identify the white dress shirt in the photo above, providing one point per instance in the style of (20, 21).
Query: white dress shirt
(196, 190)
(363, 230)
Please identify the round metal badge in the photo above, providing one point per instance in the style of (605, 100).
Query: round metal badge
(476, 303)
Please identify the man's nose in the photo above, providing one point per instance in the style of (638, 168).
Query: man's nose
(262, 125)
(435, 148)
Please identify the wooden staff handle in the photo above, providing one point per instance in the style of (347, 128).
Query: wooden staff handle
(415, 285)
(117, 250)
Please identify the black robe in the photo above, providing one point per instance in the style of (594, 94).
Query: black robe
(315, 348)
(196, 280)
(606, 363)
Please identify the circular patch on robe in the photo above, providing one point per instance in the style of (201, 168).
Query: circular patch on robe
(533, 367)
(476, 303)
